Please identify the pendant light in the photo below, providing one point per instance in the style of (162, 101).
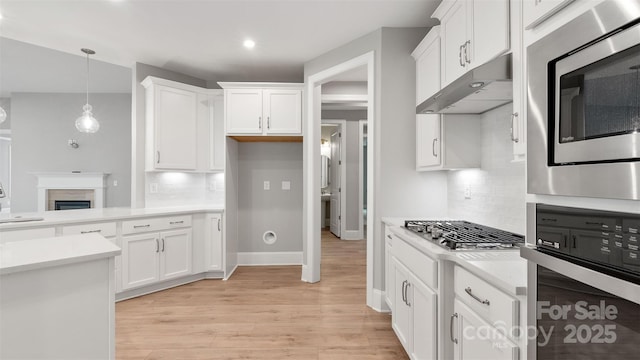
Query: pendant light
(87, 123)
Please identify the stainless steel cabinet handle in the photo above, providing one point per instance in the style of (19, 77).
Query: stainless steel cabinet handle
(433, 147)
(389, 236)
(259, 122)
(406, 289)
(467, 58)
(176, 222)
(404, 298)
(162, 244)
(468, 291)
(460, 56)
(453, 339)
(157, 245)
(90, 231)
(218, 224)
(158, 158)
(141, 226)
(268, 122)
(514, 137)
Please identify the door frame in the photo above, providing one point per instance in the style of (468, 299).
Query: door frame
(342, 125)
(311, 167)
(361, 135)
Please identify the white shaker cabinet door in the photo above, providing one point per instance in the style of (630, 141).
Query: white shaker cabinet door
(140, 260)
(428, 141)
(175, 254)
(423, 302)
(478, 340)
(214, 242)
(490, 35)
(454, 35)
(175, 128)
(243, 111)
(282, 110)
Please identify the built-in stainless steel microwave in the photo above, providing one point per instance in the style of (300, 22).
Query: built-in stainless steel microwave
(584, 105)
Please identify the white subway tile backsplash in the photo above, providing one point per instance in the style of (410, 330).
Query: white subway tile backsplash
(498, 189)
(177, 189)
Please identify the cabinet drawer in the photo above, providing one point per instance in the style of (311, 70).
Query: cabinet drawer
(494, 306)
(104, 229)
(424, 267)
(155, 224)
(28, 234)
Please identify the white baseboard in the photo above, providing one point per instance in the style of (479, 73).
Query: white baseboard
(378, 303)
(352, 235)
(227, 276)
(269, 258)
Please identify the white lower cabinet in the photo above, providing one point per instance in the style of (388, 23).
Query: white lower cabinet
(484, 320)
(153, 257)
(475, 338)
(213, 244)
(414, 313)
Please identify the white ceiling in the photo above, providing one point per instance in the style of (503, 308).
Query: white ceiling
(203, 38)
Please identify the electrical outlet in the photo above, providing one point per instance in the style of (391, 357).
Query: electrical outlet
(115, 182)
(153, 188)
(267, 185)
(467, 192)
(286, 185)
(212, 186)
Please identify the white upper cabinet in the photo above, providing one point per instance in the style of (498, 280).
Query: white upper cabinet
(263, 108)
(428, 141)
(537, 11)
(445, 142)
(427, 56)
(184, 127)
(472, 32)
(243, 111)
(171, 127)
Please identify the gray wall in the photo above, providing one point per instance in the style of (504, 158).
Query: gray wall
(140, 72)
(399, 191)
(276, 209)
(44, 122)
(352, 161)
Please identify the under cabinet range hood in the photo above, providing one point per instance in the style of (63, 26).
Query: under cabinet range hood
(481, 89)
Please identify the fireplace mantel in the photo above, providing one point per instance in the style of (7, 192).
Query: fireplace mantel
(71, 181)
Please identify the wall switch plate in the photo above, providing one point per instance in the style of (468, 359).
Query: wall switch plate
(467, 192)
(153, 188)
(267, 185)
(212, 186)
(115, 182)
(286, 185)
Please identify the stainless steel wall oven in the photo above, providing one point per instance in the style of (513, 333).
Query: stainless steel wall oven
(583, 285)
(584, 105)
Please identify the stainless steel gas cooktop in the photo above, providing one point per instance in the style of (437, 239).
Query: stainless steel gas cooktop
(464, 235)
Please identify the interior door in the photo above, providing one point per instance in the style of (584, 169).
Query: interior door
(335, 183)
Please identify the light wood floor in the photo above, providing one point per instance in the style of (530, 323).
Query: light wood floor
(263, 313)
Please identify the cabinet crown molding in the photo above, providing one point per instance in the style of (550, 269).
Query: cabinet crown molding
(152, 80)
(260, 85)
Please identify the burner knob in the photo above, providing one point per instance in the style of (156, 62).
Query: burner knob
(436, 233)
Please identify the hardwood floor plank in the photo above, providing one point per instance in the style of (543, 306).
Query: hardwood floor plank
(263, 313)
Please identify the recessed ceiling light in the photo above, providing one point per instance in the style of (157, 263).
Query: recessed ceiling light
(249, 44)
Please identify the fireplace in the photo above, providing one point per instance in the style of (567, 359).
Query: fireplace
(72, 190)
(71, 204)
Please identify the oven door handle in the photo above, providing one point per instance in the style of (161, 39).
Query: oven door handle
(484, 302)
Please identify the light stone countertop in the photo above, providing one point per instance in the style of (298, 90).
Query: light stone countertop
(51, 218)
(27, 255)
(504, 269)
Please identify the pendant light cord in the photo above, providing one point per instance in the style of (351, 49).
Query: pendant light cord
(87, 78)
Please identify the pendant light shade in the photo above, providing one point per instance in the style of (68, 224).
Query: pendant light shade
(86, 123)
(3, 115)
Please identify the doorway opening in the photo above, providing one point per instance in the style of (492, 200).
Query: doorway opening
(317, 100)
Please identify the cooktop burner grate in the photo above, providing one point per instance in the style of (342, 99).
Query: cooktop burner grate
(457, 234)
